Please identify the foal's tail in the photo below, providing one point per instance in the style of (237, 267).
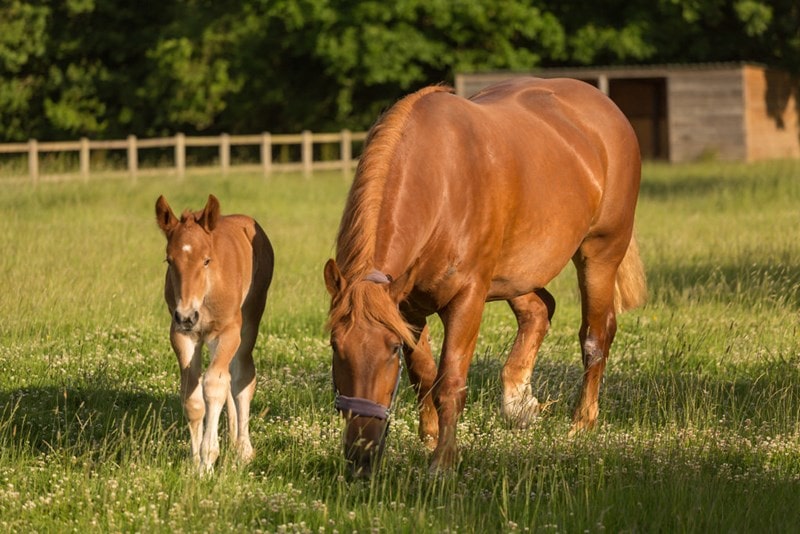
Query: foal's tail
(630, 289)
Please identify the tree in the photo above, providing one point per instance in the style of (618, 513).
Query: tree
(22, 44)
(108, 68)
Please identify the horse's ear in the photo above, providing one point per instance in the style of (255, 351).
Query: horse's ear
(164, 217)
(208, 219)
(334, 280)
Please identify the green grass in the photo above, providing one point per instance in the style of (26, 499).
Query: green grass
(700, 409)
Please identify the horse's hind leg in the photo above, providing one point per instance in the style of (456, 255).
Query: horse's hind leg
(533, 312)
(243, 387)
(233, 423)
(596, 262)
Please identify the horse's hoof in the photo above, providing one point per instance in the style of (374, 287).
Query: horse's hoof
(429, 440)
(522, 412)
(205, 470)
(579, 427)
(246, 453)
(443, 461)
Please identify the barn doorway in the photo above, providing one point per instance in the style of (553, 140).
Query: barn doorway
(644, 102)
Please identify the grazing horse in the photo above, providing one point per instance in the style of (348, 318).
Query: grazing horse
(219, 269)
(457, 202)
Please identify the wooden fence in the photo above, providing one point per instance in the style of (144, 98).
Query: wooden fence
(179, 143)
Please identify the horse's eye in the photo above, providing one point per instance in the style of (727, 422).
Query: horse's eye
(397, 349)
(168, 260)
(206, 262)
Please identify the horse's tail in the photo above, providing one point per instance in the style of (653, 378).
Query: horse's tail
(630, 289)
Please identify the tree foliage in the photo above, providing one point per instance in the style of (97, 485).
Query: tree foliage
(108, 68)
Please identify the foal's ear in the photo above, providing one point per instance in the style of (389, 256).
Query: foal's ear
(164, 217)
(333, 278)
(208, 219)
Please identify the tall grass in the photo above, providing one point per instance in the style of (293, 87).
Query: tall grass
(699, 409)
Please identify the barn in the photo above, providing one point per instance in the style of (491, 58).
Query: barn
(728, 111)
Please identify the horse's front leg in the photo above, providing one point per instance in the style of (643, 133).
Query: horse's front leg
(422, 373)
(461, 318)
(216, 389)
(188, 349)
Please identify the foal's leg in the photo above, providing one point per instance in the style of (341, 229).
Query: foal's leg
(533, 312)
(230, 408)
(243, 387)
(189, 353)
(461, 319)
(216, 388)
(596, 264)
(422, 373)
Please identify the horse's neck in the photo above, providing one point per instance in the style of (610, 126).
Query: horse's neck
(400, 239)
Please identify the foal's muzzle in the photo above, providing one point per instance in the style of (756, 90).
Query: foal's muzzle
(187, 321)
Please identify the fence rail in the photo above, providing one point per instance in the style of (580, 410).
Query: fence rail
(179, 143)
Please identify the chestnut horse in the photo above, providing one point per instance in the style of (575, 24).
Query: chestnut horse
(219, 269)
(457, 202)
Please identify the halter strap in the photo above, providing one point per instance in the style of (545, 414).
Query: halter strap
(365, 407)
(378, 277)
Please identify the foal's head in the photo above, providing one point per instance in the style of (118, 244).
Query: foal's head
(189, 254)
(367, 337)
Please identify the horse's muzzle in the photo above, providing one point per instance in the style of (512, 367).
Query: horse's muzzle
(186, 322)
(364, 441)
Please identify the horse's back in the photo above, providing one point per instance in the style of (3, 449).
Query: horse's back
(573, 111)
(578, 101)
(246, 243)
(536, 165)
(240, 229)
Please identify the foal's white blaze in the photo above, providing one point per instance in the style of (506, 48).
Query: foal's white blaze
(186, 248)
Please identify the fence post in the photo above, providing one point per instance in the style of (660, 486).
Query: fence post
(225, 152)
(180, 154)
(602, 84)
(33, 160)
(266, 153)
(84, 158)
(347, 151)
(307, 149)
(133, 157)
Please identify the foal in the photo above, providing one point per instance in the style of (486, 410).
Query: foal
(219, 269)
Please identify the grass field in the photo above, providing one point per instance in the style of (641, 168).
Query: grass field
(700, 410)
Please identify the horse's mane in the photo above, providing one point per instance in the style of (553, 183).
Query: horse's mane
(355, 244)
(366, 301)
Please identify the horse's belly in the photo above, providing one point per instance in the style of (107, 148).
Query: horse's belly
(531, 264)
(510, 283)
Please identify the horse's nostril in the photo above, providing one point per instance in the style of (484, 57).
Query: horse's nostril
(186, 321)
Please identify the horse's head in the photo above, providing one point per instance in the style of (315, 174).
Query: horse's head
(189, 254)
(367, 337)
